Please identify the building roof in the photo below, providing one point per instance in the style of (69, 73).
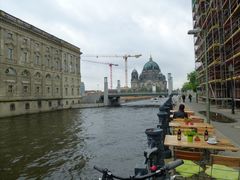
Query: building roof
(151, 65)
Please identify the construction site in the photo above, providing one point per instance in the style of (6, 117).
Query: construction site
(216, 31)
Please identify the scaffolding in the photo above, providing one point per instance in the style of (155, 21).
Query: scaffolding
(219, 42)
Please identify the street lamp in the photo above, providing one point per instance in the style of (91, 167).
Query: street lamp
(195, 32)
(230, 69)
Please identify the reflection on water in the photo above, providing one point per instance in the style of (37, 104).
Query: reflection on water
(67, 144)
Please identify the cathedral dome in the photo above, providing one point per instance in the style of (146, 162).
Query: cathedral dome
(151, 65)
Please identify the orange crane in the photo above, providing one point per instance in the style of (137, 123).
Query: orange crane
(110, 66)
(125, 57)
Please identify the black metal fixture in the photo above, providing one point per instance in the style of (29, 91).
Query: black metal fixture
(230, 69)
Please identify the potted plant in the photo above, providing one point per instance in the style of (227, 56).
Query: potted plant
(190, 134)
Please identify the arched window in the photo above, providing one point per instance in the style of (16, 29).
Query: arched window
(26, 73)
(37, 75)
(11, 71)
(57, 78)
(48, 77)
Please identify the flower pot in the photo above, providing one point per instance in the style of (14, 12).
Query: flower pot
(190, 138)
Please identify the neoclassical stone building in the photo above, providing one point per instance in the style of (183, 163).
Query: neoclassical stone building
(150, 77)
(38, 71)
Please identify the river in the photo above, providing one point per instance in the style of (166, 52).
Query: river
(67, 144)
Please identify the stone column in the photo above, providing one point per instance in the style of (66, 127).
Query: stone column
(118, 86)
(105, 91)
(170, 84)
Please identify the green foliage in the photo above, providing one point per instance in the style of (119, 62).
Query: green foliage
(186, 86)
(192, 83)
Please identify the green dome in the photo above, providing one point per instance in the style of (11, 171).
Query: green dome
(151, 65)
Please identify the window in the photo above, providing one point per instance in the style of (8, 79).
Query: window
(39, 103)
(71, 67)
(48, 77)
(37, 89)
(10, 35)
(78, 101)
(65, 65)
(59, 103)
(38, 75)
(10, 53)
(25, 89)
(66, 91)
(27, 106)
(25, 56)
(25, 41)
(37, 60)
(48, 90)
(10, 88)
(48, 62)
(26, 73)
(50, 104)
(66, 102)
(57, 65)
(57, 90)
(72, 91)
(12, 107)
(77, 68)
(72, 102)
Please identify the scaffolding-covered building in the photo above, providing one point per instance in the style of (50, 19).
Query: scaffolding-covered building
(217, 49)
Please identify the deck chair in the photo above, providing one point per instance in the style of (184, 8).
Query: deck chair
(190, 167)
(224, 167)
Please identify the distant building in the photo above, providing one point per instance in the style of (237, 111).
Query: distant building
(150, 79)
(38, 71)
(82, 89)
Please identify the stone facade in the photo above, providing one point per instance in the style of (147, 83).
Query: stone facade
(38, 71)
(150, 78)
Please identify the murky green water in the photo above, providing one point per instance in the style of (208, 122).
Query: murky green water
(67, 144)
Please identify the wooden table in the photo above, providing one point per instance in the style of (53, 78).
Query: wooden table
(201, 127)
(192, 120)
(194, 125)
(195, 117)
(223, 144)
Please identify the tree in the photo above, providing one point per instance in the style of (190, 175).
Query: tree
(192, 83)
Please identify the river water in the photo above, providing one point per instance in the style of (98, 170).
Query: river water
(67, 144)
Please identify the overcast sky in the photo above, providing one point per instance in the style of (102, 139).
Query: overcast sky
(117, 27)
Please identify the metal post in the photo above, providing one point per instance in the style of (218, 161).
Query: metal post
(232, 88)
(206, 76)
(230, 69)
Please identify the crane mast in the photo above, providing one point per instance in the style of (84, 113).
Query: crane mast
(110, 67)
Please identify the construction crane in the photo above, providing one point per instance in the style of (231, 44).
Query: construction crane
(125, 57)
(110, 66)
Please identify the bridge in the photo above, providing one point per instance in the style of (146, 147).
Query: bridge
(114, 98)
